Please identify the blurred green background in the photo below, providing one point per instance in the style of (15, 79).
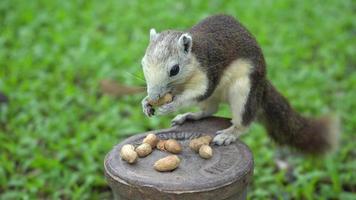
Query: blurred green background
(57, 127)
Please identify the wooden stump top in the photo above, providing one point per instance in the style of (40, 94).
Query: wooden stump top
(227, 173)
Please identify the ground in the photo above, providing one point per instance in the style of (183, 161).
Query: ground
(57, 127)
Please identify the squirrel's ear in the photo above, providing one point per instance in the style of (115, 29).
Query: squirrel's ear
(185, 41)
(153, 34)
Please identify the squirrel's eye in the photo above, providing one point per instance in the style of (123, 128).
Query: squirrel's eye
(174, 70)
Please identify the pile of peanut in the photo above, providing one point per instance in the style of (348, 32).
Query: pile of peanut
(200, 145)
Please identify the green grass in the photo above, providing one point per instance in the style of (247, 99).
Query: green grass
(56, 130)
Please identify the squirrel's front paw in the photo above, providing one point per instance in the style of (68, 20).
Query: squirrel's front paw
(147, 108)
(167, 108)
(180, 119)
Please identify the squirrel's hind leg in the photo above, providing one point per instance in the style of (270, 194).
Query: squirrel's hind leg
(238, 94)
(229, 135)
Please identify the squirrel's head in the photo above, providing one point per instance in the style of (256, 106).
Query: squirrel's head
(168, 62)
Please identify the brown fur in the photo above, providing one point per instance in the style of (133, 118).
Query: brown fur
(287, 127)
(218, 41)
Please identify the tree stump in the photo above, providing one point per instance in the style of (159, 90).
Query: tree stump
(225, 176)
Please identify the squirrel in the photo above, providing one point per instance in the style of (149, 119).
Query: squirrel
(218, 60)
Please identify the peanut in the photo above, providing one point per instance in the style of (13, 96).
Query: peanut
(128, 153)
(160, 145)
(167, 98)
(173, 146)
(205, 151)
(196, 143)
(168, 163)
(143, 150)
(151, 139)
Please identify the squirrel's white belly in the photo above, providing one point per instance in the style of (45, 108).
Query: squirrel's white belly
(237, 73)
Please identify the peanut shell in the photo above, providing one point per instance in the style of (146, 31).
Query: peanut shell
(205, 151)
(167, 98)
(143, 150)
(128, 153)
(168, 163)
(196, 143)
(160, 145)
(151, 139)
(173, 146)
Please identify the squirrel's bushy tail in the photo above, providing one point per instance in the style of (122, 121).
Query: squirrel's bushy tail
(287, 127)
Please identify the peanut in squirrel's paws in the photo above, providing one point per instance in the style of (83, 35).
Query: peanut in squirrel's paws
(224, 137)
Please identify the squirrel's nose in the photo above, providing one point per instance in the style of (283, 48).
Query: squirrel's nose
(154, 97)
(155, 93)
